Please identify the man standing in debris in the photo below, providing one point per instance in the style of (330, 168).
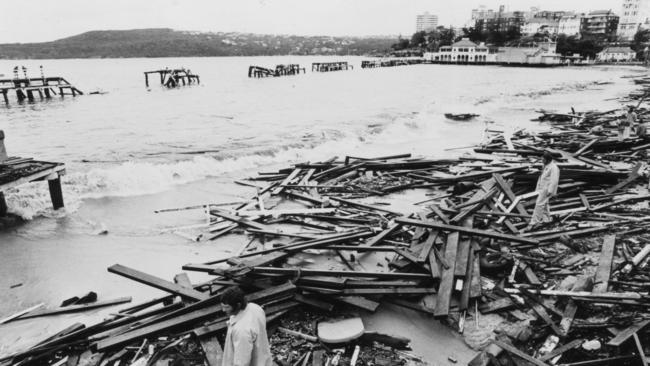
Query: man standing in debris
(546, 188)
(626, 124)
(246, 341)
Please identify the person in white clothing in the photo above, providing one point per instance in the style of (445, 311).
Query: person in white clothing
(247, 343)
(546, 189)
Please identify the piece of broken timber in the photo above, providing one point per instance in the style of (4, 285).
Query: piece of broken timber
(583, 149)
(212, 350)
(542, 313)
(447, 279)
(315, 272)
(428, 245)
(530, 274)
(507, 190)
(467, 283)
(159, 283)
(503, 303)
(360, 302)
(477, 175)
(323, 242)
(381, 236)
(585, 202)
(560, 350)
(639, 347)
(514, 351)
(191, 317)
(601, 280)
(20, 313)
(389, 291)
(634, 175)
(581, 294)
(74, 308)
(239, 220)
(627, 333)
(572, 233)
(568, 316)
(363, 205)
(409, 305)
(468, 231)
(434, 267)
(462, 254)
(475, 282)
(436, 210)
(286, 181)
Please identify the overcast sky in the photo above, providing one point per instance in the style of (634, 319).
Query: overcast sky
(47, 20)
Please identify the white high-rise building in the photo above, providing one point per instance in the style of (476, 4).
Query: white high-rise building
(426, 22)
(635, 15)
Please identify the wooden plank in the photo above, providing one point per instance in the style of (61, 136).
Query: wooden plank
(159, 283)
(240, 220)
(212, 350)
(428, 245)
(315, 272)
(188, 318)
(585, 202)
(560, 350)
(363, 205)
(32, 177)
(639, 349)
(436, 210)
(286, 181)
(511, 349)
(601, 279)
(627, 333)
(75, 308)
(583, 149)
(501, 304)
(568, 316)
(21, 313)
(468, 231)
(462, 254)
(634, 175)
(381, 236)
(434, 268)
(475, 286)
(389, 291)
(447, 282)
(360, 302)
(505, 187)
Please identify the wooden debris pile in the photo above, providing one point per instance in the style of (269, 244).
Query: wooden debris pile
(333, 236)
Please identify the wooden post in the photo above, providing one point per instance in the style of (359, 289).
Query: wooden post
(146, 79)
(56, 193)
(47, 93)
(3, 150)
(30, 95)
(4, 94)
(3, 205)
(20, 95)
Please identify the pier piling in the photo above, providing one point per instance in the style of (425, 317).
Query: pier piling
(172, 78)
(56, 194)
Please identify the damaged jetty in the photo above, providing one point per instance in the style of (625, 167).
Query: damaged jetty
(15, 171)
(173, 78)
(280, 70)
(328, 241)
(27, 88)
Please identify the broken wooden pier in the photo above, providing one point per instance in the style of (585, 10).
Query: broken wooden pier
(330, 66)
(15, 171)
(280, 70)
(173, 78)
(44, 87)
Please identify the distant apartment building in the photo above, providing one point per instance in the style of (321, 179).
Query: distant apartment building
(599, 23)
(550, 15)
(540, 25)
(570, 24)
(635, 15)
(426, 22)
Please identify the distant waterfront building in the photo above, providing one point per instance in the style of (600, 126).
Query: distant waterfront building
(599, 23)
(635, 15)
(540, 25)
(570, 24)
(616, 54)
(463, 52)
(426, 22)
(551, 15)
(543, 53)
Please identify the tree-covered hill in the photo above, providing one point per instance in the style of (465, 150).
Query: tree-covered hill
(165, 42)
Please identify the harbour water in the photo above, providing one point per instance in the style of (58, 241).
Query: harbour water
(135, 150)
